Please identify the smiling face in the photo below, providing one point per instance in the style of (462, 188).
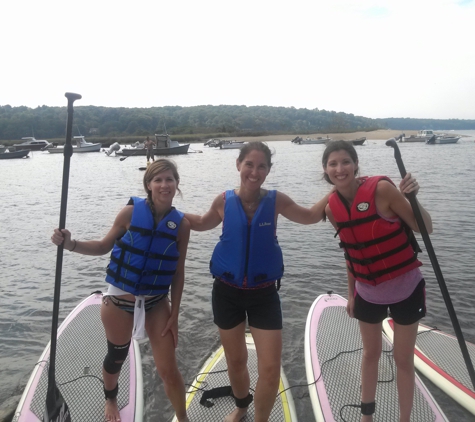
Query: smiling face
(254, 169)
(163, 186)
(340, 168)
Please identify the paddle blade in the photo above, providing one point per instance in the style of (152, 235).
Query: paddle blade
(56, 409)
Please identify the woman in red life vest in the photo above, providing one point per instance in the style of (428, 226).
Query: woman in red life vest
(375, 221)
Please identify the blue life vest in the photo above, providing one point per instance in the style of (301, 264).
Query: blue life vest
(144, 260)
(248, 253)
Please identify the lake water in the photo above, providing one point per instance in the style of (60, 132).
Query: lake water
(100, 186)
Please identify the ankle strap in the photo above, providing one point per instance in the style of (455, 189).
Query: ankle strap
(368, 408)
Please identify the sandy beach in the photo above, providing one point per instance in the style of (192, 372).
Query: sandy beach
(373, 135)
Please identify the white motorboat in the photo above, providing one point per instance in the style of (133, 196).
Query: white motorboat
(443, 139)
(32, 144)
(231, 144)
(81, 146)
(164, 146)
(422, 136)
(308, 141)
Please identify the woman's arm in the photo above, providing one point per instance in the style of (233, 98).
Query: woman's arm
(351, 281)
(211, 219)
(178, 281)
(96, 247)
(390, 202)
(298, 214)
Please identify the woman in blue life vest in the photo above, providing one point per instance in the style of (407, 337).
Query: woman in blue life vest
(247, 266)
(375, 221)
(149, 240)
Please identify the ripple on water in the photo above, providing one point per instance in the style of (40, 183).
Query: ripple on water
(100, 186)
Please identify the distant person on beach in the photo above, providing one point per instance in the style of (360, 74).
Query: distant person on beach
(149, 144)
(149, 240)
(247, 266)
(375, 221)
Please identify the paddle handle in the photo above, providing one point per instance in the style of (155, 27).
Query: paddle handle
(435, 264)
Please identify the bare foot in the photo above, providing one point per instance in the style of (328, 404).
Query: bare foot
(236, 415)
(367, 418)
(185, 419)
(112, 411)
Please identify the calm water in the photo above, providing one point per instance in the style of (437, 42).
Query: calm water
(100, 186)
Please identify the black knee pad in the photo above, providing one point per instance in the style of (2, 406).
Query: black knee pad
(368, 408)
(115, 357)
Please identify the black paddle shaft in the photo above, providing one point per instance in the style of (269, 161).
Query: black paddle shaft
(55, 405)
(435, 264)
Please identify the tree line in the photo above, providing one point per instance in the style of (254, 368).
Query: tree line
(115, 122)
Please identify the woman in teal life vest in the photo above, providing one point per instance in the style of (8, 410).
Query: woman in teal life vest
(375, 221)
(149, 240)
(247, 266)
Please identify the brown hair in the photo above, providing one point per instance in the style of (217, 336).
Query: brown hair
(258, 146)
(158, 166)
(334, 146)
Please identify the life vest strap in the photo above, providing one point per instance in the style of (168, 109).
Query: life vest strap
(138, 286)
(373, 259)
(151, 232)
(377, 274)
(362, 245)
(148, 254)
(357, 222)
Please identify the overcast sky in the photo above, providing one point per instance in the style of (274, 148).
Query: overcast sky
(373, 58)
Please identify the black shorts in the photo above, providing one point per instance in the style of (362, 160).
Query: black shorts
(406, 312)
(261, 306)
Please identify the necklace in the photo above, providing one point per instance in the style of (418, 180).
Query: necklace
(253, 204)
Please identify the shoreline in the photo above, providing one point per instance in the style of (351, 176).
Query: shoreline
(381, 134)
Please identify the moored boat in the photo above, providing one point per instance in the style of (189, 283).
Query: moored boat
(308, 141)
(81, 146)
(14, 154)
(443, 139)
(165, 146)
(231, 144)
(422, 136)
(359, 141)
(31, 144)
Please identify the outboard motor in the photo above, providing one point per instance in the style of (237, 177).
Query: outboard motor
(114, 147)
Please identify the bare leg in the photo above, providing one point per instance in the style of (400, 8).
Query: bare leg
(163, 350)
(269, 352)
(234, 343)
(371, 334)
(118, 326)
(404, 342)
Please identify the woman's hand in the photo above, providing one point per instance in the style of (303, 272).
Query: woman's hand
(350, 306)
(409, 184)
(172, 326)
(60, 236)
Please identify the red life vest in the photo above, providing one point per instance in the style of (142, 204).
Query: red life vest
(376, 250)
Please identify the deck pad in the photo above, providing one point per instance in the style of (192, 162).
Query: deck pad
(333, 353)
(81, 348)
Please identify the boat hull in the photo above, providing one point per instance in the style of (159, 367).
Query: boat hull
(76, 150)
(14, 154)
(452, 140)
(182, 149)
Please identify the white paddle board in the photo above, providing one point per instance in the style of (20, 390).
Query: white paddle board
(438, 356)
(214, 374)
(333, 352)
(81, 348)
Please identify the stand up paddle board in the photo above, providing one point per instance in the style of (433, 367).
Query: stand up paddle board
(214, 374)
(333, 352)
(439, 358)
(81, 348)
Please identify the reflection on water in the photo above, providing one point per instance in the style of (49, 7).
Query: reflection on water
(100, 186)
